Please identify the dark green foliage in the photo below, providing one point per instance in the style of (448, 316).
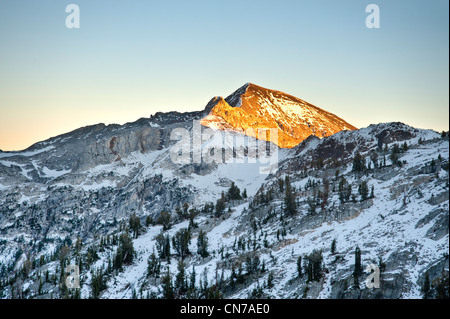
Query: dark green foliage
(164, 220)
(333, 246)
(252, 264)
(135, 225)
(299, 267)
(359, 163)
(358, 267)
(98, 283)
(148, 221)
(374, 158)
(234, 193)
(192, 214)
(220, 205)
(125, 251)
(312, 205)
(163, 246)
(313, 265)
(394, 156)
(441, 287)
(192, 279)
(344, 190)
(180, 279)
(270, 280)
(281, 184)
(153, 265)
(181, 241)
(202, 244)
(363, 190)
(404, 147)
(426, 287)
(290, 207)
(167, 286)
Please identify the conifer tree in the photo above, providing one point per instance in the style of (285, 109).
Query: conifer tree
(358, 163)
(220, 205)
(167, 286)
(192, 279)
(126, 248)
(270, 280)
(333, 247)
(299, 267)
(426, 287)
(181, 241)
(290, 206)
(313, 265)
(163, 246)
(404, 147)
(135, 225)
(152, 265)
(180, 283)
(358, 267)
(234, 193)
(363, 190)
(202, 244)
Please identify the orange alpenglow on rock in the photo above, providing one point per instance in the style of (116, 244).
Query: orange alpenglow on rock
(252, 107)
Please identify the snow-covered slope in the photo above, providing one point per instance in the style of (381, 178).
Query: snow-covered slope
(54, 194)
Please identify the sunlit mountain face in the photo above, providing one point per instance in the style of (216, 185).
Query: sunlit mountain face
(253, 107)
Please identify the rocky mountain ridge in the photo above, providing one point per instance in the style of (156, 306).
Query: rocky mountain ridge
(254, 107)
(76, 198)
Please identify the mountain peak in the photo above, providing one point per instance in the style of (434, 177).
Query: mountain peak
(253, 106)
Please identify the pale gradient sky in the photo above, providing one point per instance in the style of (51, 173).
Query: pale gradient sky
(131, 59)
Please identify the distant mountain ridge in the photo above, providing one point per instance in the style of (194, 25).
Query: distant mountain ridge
(255, 107)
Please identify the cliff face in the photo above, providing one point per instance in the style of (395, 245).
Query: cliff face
(255, 107)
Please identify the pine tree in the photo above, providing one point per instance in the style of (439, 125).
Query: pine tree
(270, 280)
(363, 190)
(299, 267)
(358, 268)
(359, 164)
(148, 221)
(180, 283)
(163, 246)
(333, 247)
(372, 192)
(192, 279)
(126, 248)
(202, 244)
(135, 225)
(441, 286)
(181, 242)
(192, 214)
(394, 154)
(290, 206)
(374, 158)
(98, 283)
(313, 265)
(234, 193)
(404, 147)
(152, 265)
(165, 220)
(426, 287)
(220, 205)
(167, 286)
(281, 184)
